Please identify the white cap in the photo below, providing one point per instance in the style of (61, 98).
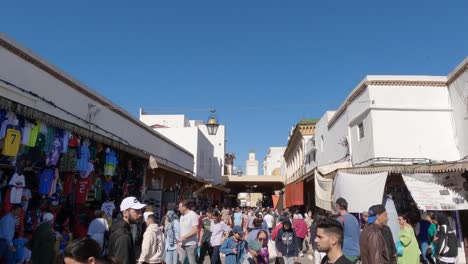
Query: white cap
(146, 214)
(131, 202)
(47, 217)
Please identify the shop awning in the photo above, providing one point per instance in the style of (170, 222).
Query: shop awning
(360, 191)
(435, 192)
(323, 192)
(209, 185)
(416, 168)
(294, 194)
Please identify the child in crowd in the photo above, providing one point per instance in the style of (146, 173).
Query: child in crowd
(19, 243)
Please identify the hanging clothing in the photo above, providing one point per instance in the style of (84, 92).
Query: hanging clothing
(33, 134)
(87, 172)
(17, 184)
(45, 180)
(66, 140)
(98, 189)
(111, 163)
(12, 142)
(82, 164)
(26, 134)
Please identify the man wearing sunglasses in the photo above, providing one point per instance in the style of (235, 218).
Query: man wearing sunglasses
(120, 241)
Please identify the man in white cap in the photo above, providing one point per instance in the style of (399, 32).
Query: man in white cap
(120, 241)
(43, 241)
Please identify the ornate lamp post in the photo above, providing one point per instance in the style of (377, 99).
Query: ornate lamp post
(212, 124)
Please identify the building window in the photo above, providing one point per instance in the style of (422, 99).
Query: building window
(361, 130)
(323, 143)
(312, 156)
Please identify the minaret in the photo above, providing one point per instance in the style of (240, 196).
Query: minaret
(251, 165)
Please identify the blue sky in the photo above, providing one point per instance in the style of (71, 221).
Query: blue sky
(263, 64)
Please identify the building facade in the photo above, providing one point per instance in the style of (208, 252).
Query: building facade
(273, 161)
(208, 150)
(294, 154)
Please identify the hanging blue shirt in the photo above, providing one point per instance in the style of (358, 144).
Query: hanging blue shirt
(45, 181)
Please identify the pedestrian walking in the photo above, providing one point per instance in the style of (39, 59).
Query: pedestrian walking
(219, 231)
(120, 240)
(286, 243)
(153, 243)
(98, 227)
(238, 216)
(43, 241)
(408, 241)
(234, 247)
(257, 224)
(422, 234)
(300, 227)
(431, 250)
(352, 231)
(172, 232)
(372, 242)
(263, 253)
(329, 239)
(446, 241)
(205, 235)
(270, 220)
(187, 246)
(252, 255)
(7, 233)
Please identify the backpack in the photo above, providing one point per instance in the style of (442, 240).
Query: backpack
(450, 247)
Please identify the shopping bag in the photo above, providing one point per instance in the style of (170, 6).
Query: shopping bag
(272, 249)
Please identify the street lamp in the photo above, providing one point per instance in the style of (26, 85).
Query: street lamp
(212, 124)
(239, 171)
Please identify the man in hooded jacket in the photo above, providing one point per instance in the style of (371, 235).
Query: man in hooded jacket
(286, 243)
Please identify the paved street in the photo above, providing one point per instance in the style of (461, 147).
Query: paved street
(305, 259)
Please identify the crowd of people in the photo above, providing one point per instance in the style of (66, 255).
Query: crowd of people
(242, 236)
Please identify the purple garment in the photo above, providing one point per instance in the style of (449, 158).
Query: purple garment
(263, 255)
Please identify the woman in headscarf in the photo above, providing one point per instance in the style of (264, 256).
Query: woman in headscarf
(172, 231)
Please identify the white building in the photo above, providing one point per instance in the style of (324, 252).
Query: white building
(295, 152)
(251, 165)
(68, 101)
(397, 119)
(208, 150)
(273, 161)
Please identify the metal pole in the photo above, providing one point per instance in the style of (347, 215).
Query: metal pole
(458, 226)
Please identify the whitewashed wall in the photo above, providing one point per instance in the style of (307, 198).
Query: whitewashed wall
(458, 92)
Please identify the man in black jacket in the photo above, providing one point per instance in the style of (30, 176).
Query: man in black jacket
(120, 241)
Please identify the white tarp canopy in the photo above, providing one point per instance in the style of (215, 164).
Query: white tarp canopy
(360, 190)
(436, 192)
(323, 192)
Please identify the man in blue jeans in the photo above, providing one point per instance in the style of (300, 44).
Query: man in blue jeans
(7, 232)
(351, 231)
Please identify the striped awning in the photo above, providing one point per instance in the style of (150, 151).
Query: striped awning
(415, 168)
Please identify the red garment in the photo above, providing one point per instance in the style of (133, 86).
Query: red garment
(74, 141)
(300, 226)
(68, 184)
(274, 232)
(6, 202)
(82, 188)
